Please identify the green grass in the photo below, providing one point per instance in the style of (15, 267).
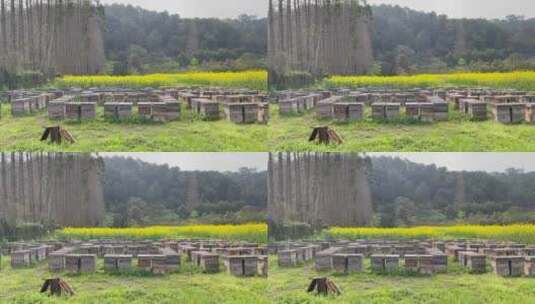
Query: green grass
(457, 286)
(189, 134)
(187, 286)
(459, 134)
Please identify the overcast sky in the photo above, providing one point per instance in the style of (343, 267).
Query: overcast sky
(469, 8)
(203, 161)
(234, 8)
(202, 8)
(490, 162)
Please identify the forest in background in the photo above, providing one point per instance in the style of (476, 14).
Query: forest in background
(312, 39)
(407, 194)
(303, 200)
(140, 41)
(139, 193)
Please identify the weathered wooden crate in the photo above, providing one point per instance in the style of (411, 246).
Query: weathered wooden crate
(209, 262)
(172, 108)
(72, 263)
(530, 113)
(476, 263)
(209, 109)
(384, 263)
(508, 266)
(385, 110)
(441, 110)
(323, 259)
(20, 106)
(347, 262)
(529, 266)
(118, 262)
(348, 111)
(90, 97)
(324, 109)
(476, 110)
(144, 262)
(287, 258)
(411, 263)
(88, 263)
(425, 264)
(88, 110)
(427, 111)
(412, 110)
(144, 110)
(508, 113)
(263, 113)
(242, 266)
(263, 265)
(440, 262)
(118, 110)
(288, 107)
(21, 258)
(56, 262)
(56, 110)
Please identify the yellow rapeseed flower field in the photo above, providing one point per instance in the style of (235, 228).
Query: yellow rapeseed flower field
(517, 232)
(521, 80)
(245, 232)
(255, 80)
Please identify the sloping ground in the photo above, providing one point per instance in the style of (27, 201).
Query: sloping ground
(189, 286)
(459, 134)
(189, 134)
(457, 286)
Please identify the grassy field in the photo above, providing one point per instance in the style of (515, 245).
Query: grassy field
(246, 232)
(524, 233)
(459, 134)
(519, 80)
(254, 80)
(457, 286)
(187, 286)
(189, 134)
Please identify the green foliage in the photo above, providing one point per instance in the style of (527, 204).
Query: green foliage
(186, 135)
(143, 41)
(141, 194)
(458, 134)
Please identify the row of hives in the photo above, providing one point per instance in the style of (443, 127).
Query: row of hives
(426, 257)
(423, 105)
(237, 258)
(159, 105)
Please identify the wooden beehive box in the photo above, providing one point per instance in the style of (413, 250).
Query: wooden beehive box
(427, 112)
(20, 106)
(118, 262)
(348, 111)
(56, 262)
(287, 258)
(209, 263)
(530, 113)
(209, 109)
(144, 262)
(88, 110)
(440, 109)
(288, 107)
(172, 110)
(72, 263)
(509, 112)
(529, 266)
(56, 110)
(477, 110)
(324, 109)
(412, 110)
(21, 258)
(508, 266)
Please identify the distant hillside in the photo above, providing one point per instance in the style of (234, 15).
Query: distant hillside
(409, 41)
(141, 41)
